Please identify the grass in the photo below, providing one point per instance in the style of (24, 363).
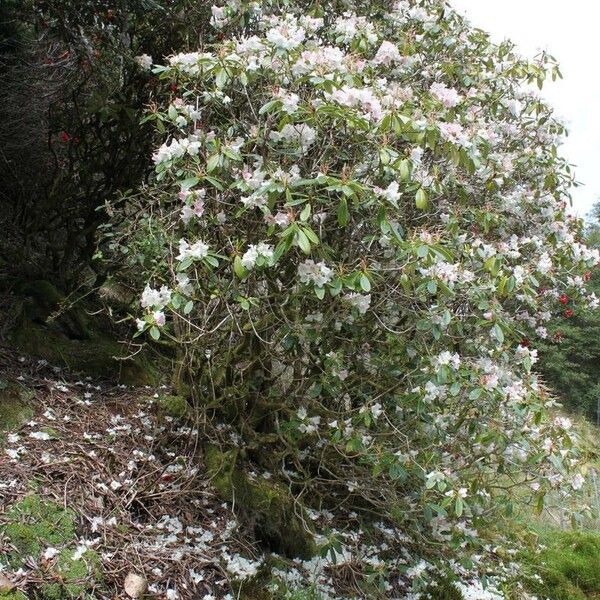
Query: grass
(567, 566)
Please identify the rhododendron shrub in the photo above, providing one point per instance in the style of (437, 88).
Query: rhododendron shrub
(359, 224)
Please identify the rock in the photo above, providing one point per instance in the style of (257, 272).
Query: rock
(14, 406)
(6, 585)
(99, 356)
(174, 406)
(135, 585)
(74, 334)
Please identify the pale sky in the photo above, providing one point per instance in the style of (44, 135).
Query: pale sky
(568, 30)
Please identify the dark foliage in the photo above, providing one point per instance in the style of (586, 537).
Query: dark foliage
(71, 101)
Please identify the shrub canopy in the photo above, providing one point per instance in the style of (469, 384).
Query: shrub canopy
(357, 229)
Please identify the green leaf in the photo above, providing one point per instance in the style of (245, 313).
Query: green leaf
(458, 507)
(365, 284)
(187, 309)
(475, 394)
(430, 483)
(539, 505)
(238, 268)
(188, 183)
(342, 212)
(421, 199)
(213, 162)
(269, 106)
(311, 235)
(305, 213)
(498, 333)
(221, 78)
(404, 170)
(303, 241)
(185, 264)
(212, 261)
(154, 332)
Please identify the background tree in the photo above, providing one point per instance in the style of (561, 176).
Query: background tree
(71, 99)
(570, 356)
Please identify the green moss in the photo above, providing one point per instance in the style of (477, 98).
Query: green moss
(266, 587)
(280, 590)
(13, 595)
(32, 525)
(269, 507)
(569, 566)
(14, 408)
(174, 406)
(253, 590)
(74, 577)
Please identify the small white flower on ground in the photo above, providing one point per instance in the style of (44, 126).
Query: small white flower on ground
(50, 553)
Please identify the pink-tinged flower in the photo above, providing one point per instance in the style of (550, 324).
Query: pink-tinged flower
(387, 54)
(449, 97)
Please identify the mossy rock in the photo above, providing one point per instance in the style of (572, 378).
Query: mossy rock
(32, 525)
(58, 329)
(174, 406)
(98, 356)
(14, 406)
(117, 294)
(266, 505)
(253, 590)
(44, 303)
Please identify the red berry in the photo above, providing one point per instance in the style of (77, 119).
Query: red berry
(564, 299)
(64, 136)
(568, 313)
(174, 87)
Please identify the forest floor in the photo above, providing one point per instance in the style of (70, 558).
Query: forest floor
(104, 493)
(98, 482)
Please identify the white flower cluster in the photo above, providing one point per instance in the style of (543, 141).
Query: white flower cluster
(261, 253)
(157, 299)
(176, 149)
(195, 251)
(318, 274)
